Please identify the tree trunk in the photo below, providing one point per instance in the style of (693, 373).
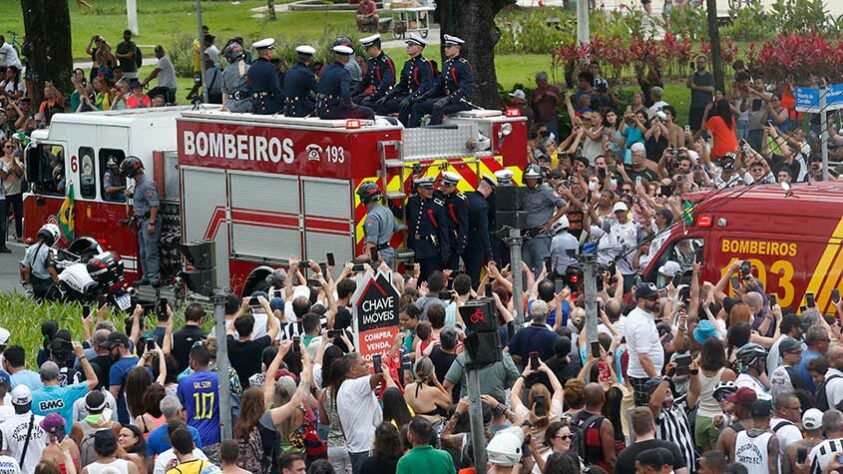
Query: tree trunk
(473, 21)
(714, 41)
(47, 27)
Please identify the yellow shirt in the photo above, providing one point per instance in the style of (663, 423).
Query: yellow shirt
(197, 57)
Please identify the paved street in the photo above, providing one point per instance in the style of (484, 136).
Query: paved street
(9, 265)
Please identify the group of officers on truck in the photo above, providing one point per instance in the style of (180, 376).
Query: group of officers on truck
(419, 90)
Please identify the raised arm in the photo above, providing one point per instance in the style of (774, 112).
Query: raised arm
(272, 370)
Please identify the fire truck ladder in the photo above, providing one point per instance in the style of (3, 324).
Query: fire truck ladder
(397, 162)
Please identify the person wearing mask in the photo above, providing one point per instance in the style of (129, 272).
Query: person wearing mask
(423, 457)
(358, 408)
(23, 430)
(644, 427)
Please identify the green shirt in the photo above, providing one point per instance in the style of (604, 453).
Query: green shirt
(494, 378)
(427, 460)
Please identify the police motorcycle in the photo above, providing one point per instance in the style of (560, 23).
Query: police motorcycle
(86, 272)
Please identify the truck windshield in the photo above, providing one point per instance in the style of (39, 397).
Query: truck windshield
(53, 176)
(680, 252)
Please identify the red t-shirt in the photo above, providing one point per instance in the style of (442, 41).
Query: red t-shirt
(135, 102)
(725, 140)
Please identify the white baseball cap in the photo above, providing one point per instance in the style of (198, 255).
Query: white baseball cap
(670, 268)
(21, 395)
(620, 206)
(812, 419)
(505, 448)
(518, 94)
(4, 336)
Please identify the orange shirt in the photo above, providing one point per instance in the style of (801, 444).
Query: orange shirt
(725, 140)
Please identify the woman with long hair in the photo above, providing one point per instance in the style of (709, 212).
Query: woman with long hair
(52, 104)
(332, 379)
(13, 187)
(426, 396)
(543, 406)
(387, 452)
(713, 370)
(247, 434)
(289, 403)
(137, 381)
(395, 409)
(12, 86)
(152, 417)
(721, 125)
(133, 448)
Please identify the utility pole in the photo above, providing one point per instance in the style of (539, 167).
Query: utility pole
(583, 34)
(589, 270)
(714, 40)
(222, 363)
(824, 131)
(515, 242)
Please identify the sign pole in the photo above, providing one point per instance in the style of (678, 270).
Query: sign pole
(475, 415)
(515, 242)
(222, 363)
(201, 50)
(589, 267)
(824, 131)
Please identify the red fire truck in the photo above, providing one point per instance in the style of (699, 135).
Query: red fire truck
(264, 188)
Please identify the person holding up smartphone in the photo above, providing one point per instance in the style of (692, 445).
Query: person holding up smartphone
(379, 224)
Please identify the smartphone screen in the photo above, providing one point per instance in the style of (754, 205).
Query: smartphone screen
(746, 269)
(736, 284)
(835, 295)
(358, 267)
(558, 285)
(809, 300)
(253, 302)
(86, 311)
(682, 365)
(376, 361)
(677, 277)
(331, 261)
(772, 299)
(150, 344)
(603, 374)
(373, 254)
(324, 268)
(488, 290)
(162, 308)
(595, 349)
(534, 360)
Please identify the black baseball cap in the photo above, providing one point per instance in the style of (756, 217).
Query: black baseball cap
(114, 339)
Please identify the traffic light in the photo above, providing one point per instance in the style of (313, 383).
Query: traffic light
(200, 273)
(482, 340)
(509, 207)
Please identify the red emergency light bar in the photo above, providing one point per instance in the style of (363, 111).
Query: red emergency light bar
(704, 220)
(513, 112)
(352, 124)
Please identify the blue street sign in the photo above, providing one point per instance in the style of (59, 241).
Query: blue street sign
(834, 96)
(807, 99)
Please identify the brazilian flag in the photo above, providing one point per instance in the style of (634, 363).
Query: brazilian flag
(66, 215)
(688, 212)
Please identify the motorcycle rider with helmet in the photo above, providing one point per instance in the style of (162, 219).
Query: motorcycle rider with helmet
(235, 82)
(39, 269)
(145, 204)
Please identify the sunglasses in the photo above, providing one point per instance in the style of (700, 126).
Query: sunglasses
(564, 437)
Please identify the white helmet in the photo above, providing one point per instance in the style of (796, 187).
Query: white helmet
(505, 448)
(559, 225)
(51, 233)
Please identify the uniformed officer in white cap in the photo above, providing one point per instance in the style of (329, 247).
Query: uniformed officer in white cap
(451, 92)
(428, 233)
(300, 84)
(333, 98)
(456, 207)
(504, 177)
(267, 97)
(380, 73)
(416, 79)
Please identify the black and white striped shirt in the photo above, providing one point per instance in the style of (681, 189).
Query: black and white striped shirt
(290, 330)
(672, 426)
(823, 453)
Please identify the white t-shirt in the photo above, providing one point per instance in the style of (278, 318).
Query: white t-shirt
(9, 57)
(788, 434)
(10, 87)
(656, 108)
(9, 465)
(14, 436)
(642, 337)
(834, 388)
(164, 458)
(166, 73)
(780, 382)
(360, 413)
(746, 380)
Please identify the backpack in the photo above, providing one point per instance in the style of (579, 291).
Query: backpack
(781, 425)
(87, 455)
(138, 58)
(822, 394)
(587, 435)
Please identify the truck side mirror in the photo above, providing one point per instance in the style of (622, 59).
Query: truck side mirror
(31, 164)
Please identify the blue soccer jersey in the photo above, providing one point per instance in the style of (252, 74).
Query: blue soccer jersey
(199, 394)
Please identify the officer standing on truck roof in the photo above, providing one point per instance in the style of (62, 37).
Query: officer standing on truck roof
(451, 91)
(379, 224)
(478, 249)
(543, 207)
(235, 80)
(416, 78)
(145, 204)
(333, 100)
(300, 85)
(267, 97)
(380, 73)
(427, 228)
(456, 207)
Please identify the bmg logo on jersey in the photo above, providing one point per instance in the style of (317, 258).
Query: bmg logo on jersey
(48, 405)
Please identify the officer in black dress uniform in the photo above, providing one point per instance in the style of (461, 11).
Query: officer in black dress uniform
(416, 79)
(452, 89)
(300, 85)
(428, 233)
(264, 83)
(380, 73)
(333, 100)
(478, 250)
(456, 207)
